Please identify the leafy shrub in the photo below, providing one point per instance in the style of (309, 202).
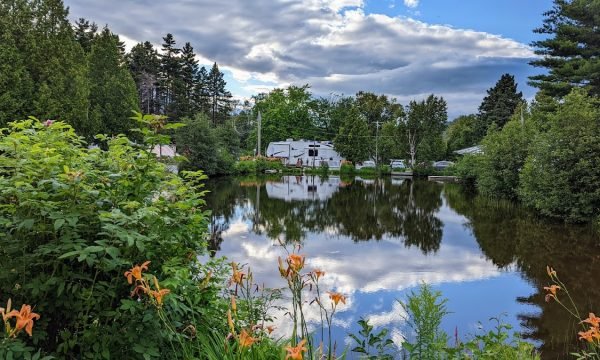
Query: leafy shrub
(423, 169)
(347, 168)
(372, 345)
(561, 176)
(74, 219)
(467, 168)
(426, 309)
(245, 167)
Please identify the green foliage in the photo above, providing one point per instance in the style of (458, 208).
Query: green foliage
(423, 169)
(347, 168)
(504, 154)
(460, 133)
(569, 49)
(113, 94)
(467, 169)
(498, 106)
(352, 139)
(74, 219)
(372, 345)
(561, 176)
(423, 127)
(285, 114)
(206, 148)
(495, 344)
(426, 309)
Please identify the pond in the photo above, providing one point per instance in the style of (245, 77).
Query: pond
(378, 239)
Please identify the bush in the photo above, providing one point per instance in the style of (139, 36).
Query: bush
(347, 168)
(245, 167)
(75, 219)
(467, 169)
(561, 176)
(423, 169)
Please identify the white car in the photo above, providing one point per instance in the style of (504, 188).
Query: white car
(441, 165)
(366, 164)
(397, 164)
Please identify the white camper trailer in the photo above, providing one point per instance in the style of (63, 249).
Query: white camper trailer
(305, 153)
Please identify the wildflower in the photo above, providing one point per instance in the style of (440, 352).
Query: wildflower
(282, 271)
(7, 313)
(551, 291)
(296, 262)
(158, 293)
(592, 320)
(48, 122)
(246, 340)
(237, 276)
(136, 272)
(318, 273)
(233, 304)
(295, 352)
(337, 297)
(590, 335)
(25, 319)
(550, 271)
(230, 322)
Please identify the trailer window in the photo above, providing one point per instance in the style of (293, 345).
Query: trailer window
(313, 152)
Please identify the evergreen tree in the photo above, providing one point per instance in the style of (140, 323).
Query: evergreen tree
(15, 83)
(219, 97)
(350, 141)
(187, 82)
(201, 96)
(57, 66)
(170, 68)
(113, 94)
(84, 33)
(572, 53)
(144, 65)
(498, 106)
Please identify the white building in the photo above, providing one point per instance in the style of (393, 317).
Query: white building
(305, 153)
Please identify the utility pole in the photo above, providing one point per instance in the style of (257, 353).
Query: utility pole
(259, 120)
(377, 123)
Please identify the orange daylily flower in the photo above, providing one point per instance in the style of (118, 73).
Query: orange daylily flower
(295, 352)
(592, 320)
(590, 335)
(337, 297)
(550, 271)
(237, 275)
(296, 262)
(318, 273)
(136, 272)
(25, 319)
(282, 271)
(246, 340)
(552, 289)
(270, 329)
(7, 313)
(159, 293)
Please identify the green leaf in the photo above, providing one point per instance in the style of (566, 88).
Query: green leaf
(58, 223)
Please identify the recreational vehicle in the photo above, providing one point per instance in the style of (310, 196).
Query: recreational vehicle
(305, 153)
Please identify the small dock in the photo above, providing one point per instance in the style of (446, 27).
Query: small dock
(402, 173)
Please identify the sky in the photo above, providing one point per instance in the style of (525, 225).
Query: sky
(406, 49)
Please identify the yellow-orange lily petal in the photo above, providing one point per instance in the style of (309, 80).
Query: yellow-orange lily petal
(246, 340)
(135, 273)
(295, 352)
(337, 297)
(592, 320)
(25, 319)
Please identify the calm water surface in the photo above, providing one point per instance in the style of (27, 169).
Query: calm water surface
(377, 240)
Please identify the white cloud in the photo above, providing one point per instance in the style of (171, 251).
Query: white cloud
(411, 3)
(332, 44)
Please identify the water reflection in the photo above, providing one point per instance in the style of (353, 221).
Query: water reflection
(376, 238)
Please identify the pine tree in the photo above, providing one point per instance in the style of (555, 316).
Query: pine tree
(498, 106)
(170, 68)
(187, 82)
(57, 66)
(572, 54)
(113, 93)
(201, 96)
(144, 65)
(15, 83)
(219, 97)
(84, 33)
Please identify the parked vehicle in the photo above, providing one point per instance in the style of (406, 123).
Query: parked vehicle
(397, 164)
(441, 165)
(366, 164)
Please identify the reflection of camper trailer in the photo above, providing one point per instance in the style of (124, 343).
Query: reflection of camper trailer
(293, 188)
(305, 153)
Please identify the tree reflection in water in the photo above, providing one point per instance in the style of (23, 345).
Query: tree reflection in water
(291, 208)
(508, 234)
